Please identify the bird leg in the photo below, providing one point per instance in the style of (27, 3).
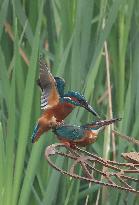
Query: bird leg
(59, 123)
(54, 123)
(68, 144)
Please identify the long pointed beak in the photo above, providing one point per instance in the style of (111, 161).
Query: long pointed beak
(90, 109)
(107, 122)
(103, 123)
(34, 134)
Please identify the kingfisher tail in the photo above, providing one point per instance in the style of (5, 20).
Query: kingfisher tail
(34, 134)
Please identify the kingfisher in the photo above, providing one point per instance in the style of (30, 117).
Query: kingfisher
(55, 104)
(84, 135)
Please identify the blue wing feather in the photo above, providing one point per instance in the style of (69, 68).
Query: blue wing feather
(69, 132)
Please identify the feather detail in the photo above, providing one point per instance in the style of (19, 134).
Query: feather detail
(50, 96)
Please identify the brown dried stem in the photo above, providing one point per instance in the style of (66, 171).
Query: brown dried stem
(8, 29)
(114, 173)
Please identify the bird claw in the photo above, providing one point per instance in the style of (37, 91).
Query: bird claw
(55, 124)
(52, 124)
(69, 144)
(60, 123)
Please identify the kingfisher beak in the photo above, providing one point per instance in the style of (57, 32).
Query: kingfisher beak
(35, 132)
(90, 109)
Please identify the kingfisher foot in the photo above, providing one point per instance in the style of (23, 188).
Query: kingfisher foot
(55, 124)
(68, 144)
(52, 124)
(72, 145)
(59, 123)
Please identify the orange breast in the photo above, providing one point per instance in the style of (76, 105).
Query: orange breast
(53, 115)
(62, 110)
(48, 114)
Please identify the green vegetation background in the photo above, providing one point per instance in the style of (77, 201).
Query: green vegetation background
(71, 34)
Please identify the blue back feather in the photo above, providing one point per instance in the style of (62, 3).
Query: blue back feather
(69, 132)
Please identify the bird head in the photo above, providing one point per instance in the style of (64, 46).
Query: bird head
(76, 99)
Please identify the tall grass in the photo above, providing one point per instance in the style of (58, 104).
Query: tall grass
(71, 34)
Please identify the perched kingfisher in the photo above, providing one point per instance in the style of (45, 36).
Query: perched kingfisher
(55, 104)
(72, 135)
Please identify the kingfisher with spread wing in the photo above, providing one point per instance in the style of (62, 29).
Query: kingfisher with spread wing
(55, 104)
(72, 135)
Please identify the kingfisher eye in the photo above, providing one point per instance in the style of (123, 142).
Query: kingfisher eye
(83, 102)
(80, 101)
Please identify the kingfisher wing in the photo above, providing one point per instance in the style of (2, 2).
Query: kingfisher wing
(69, 132)
(50, 96)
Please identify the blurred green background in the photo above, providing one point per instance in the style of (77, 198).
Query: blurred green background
(88, 43)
